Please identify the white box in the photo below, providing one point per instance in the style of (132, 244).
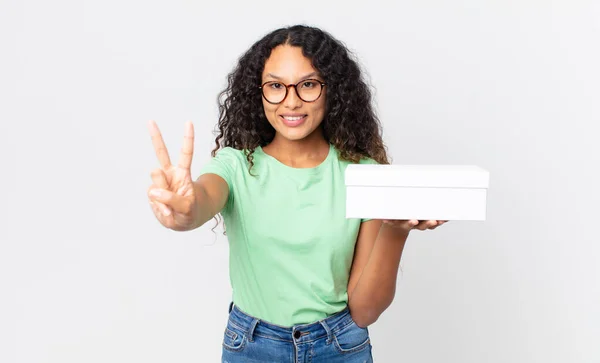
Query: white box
(424, 192)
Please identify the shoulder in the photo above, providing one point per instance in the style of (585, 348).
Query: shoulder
(230, 155)
(228, 151)
(363, 160)
(367, 161)
(226, 163)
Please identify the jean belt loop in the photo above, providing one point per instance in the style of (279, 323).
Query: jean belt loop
(252, 328)
(328, 330)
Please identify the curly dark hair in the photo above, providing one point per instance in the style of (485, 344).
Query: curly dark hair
(350, 123)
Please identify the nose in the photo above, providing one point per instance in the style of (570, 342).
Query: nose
(291, 99)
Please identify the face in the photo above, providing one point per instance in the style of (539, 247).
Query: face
(293, 118)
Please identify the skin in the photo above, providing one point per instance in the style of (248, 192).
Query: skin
(181, 204)
(303, 146)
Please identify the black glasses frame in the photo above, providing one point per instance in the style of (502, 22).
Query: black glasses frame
(287, 87)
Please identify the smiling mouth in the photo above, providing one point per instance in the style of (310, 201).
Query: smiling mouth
(293, 118)
(292, 121)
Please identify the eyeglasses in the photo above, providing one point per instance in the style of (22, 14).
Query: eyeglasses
(308, 90)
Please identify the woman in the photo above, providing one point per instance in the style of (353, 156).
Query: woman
(307, 282)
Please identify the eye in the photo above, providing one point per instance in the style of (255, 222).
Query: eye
(309, 84)
(275, 86)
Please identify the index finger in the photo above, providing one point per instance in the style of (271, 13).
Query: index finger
(159, 145)
(187, 150)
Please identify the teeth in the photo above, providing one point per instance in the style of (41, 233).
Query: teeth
(294, 118)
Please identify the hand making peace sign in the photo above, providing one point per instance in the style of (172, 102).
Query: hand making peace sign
(172, 195)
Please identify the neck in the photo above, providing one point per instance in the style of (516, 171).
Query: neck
(308, 152)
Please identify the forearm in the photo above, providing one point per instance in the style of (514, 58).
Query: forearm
(376, 288)
(206, 208)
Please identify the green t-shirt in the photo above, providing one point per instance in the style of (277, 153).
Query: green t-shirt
(290, 243)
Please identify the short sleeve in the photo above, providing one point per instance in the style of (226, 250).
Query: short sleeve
(367, 161)
(224, 164)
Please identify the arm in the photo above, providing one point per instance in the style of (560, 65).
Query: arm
(211, 193)
(372, 283)
(178, 202)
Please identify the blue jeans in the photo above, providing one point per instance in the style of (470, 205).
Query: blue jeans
(336, 338)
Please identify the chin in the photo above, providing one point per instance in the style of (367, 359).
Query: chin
(295, 133)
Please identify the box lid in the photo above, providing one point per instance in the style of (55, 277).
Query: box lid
(433, 176)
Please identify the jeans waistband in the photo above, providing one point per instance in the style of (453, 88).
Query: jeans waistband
(301, 333)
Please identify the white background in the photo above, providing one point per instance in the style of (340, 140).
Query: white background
(88, 275)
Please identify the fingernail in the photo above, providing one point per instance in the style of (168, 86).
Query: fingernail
(166, 212)
(155, 193)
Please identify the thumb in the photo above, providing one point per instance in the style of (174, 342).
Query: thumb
(407, 224)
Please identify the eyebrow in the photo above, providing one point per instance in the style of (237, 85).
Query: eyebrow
(304, 77)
